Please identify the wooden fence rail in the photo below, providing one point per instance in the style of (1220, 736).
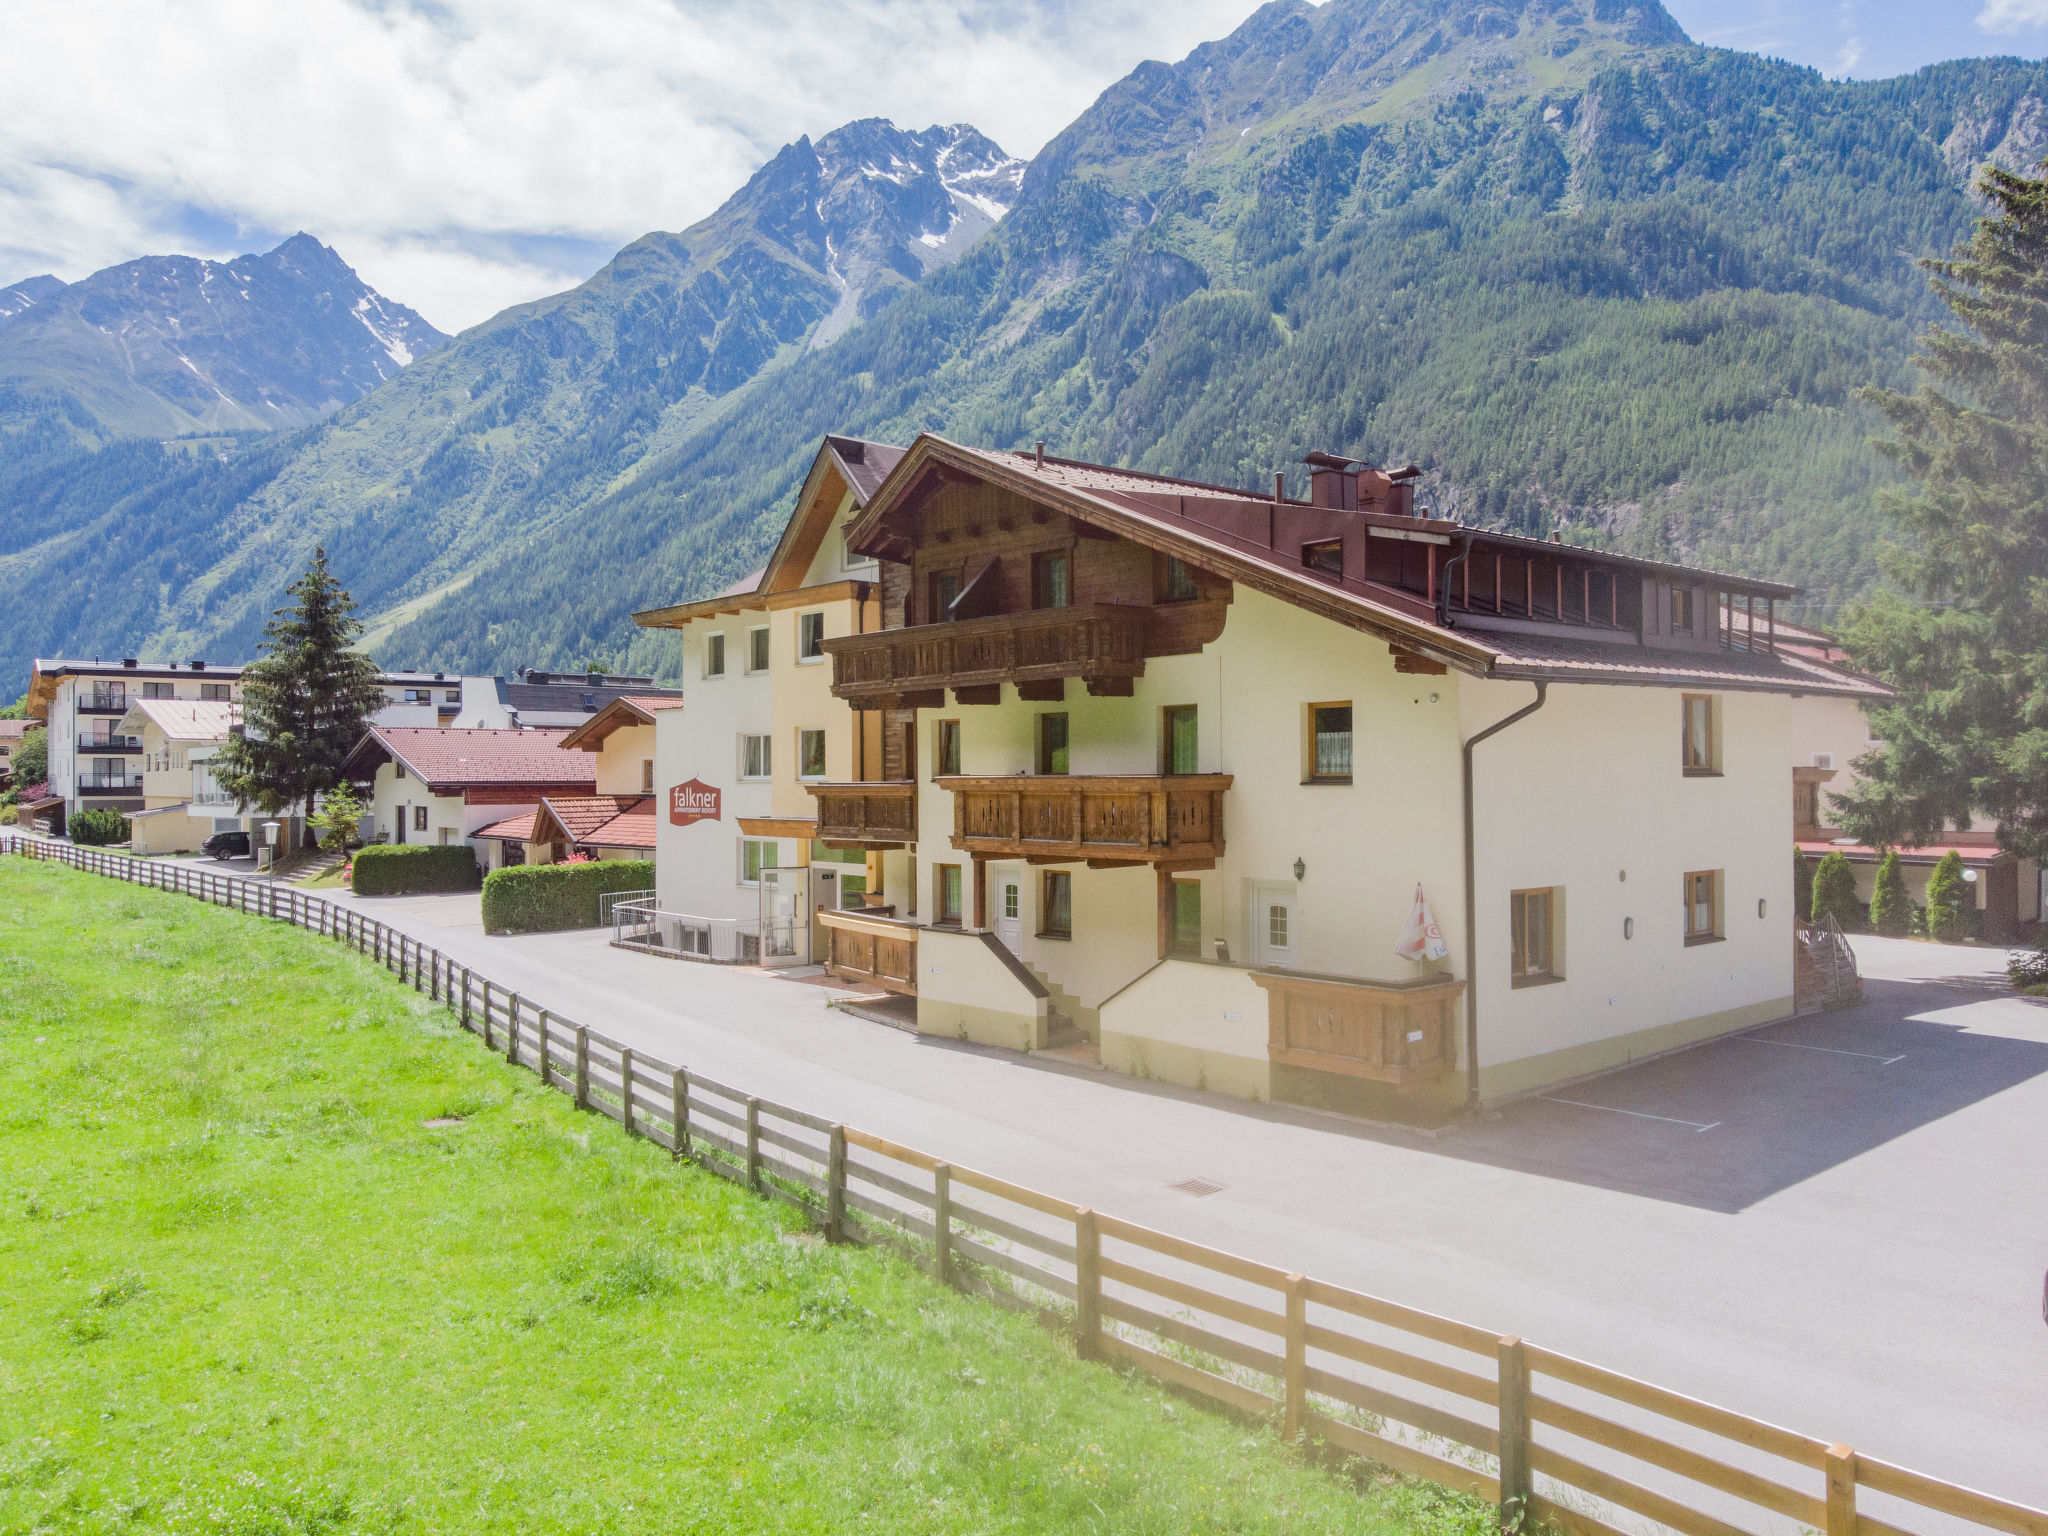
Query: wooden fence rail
(1549, 1438)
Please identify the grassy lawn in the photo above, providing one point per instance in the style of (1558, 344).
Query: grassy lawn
(249, 1291)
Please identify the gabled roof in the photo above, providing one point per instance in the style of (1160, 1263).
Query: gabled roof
(841, 464)
(621, 712)
(1229, 531)
(447, 757)
(183, 719)
(513, 828)
(596, 821)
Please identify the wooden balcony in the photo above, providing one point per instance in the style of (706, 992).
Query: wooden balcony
(1136, 819)
(875, 815)
(1102, 643)
(1404, 1033)
(881, 951)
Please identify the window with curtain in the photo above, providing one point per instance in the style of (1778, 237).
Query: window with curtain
(1698, 747)
(1056, 907)
(810, 754)
(756, 759)
(1052, 743)
(1050, 580)
(1179, 738)
(1534, 936)
(1329, 746)
(946, 749)
(810, 637)
(714, 655)
(946, 893)
(757, 650)
(1702, 906)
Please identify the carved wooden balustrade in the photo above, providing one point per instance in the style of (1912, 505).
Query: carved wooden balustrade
(1101, 643)
(1403, 1033)
(1139, 818)
(876, 815)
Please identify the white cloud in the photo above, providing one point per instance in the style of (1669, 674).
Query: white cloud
(2013, 15)
(439, 144)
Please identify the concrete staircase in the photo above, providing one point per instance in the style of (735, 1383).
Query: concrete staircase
(1063, 1012)
(309, 865)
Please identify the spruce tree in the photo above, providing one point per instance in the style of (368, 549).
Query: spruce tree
(1891, 909)
(1834, 890)
(1951, 902)
(1802, 881)
(305, 701)
(1968, 733)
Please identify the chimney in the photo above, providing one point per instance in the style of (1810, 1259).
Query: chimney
(1333, 481)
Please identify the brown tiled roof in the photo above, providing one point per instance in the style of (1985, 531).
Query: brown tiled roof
(865, 463)
(1228, 530)
(597, 821)
(448, 757)
(626, 709)
(514, 828)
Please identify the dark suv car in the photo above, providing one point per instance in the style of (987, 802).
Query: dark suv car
(227, 845)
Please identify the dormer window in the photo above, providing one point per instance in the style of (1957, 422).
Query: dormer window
(1681, 610)
(1325, 557)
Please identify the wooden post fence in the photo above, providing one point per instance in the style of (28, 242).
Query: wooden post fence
(1516, 1483)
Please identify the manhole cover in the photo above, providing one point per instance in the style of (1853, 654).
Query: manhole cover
(1198, 1187)
(440, 1122)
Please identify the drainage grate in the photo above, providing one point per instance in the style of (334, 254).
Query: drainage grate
(1198, 1187)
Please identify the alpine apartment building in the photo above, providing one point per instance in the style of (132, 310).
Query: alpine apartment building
(1169, 766)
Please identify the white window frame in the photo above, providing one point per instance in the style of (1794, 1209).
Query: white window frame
(766, 645)
(770, 858)
(748, 741)
(804, 656)
(714, 643)
(824, 751)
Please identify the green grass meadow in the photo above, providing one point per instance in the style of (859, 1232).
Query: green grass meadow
(248, 1291)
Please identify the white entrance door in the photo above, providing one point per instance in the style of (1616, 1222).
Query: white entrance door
(1010, 910)
(1273, 925)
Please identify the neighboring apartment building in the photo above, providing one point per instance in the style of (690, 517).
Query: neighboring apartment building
(94, 762)
(444, 699)
(1165, 764)
(567, 699)
(181, 804)
(762, 722)
(446, 784)
(11, 733)
(1829, 734)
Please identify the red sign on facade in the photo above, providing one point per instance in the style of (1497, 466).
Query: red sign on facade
(693, 802)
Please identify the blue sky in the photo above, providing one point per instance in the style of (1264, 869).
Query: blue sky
(465, 155)
(1868, 39)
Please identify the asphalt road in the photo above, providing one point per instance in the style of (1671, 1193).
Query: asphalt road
(1838, 1223)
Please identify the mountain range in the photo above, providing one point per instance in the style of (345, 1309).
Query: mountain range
(172, 345)
(1592, 276)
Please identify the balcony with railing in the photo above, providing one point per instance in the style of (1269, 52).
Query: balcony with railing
(1103, 644)
(1126, 819)
(109, 783)
(109, 744)
(874, 815)
(103, 701)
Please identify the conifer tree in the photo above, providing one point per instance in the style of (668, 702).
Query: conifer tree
(305, 701)
(1834, 890)
(1891, 909)
(1968, 733)
(1802, 882)
(1950, 901)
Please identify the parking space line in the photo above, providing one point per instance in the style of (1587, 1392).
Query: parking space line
(1698, 1129)
(1826, 1050)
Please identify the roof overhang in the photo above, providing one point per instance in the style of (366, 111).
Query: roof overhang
(615, 716)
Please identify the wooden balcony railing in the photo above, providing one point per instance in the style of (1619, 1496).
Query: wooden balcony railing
(881, 951)
(1143, 819)
(882, 814)
(1101, 643)
(1404, 1033)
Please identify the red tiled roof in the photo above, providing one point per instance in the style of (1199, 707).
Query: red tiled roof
(597, 821)
(447, 757)
(1970, 853)
(512, 828)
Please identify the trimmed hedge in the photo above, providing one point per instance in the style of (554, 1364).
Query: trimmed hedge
(543, 898)
(406, 869)
(98, 827)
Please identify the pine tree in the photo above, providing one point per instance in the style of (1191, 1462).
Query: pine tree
(1834, 890)
(1891, 909)
(1951, 903)
(305, 701)
(1802, 881)
(1968, 733)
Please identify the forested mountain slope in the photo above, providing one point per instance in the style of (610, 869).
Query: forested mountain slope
(518, 425)
(1579, 268)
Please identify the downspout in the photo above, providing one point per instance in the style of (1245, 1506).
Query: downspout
(1443, 595)
(1472, 902)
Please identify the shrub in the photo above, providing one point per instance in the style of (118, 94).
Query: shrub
(97, 827)
(1891, 909)
(1951, 902)
(542, 898)
(404, 869)
(2027, 968)
(1834, 890)
(1802, 881)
